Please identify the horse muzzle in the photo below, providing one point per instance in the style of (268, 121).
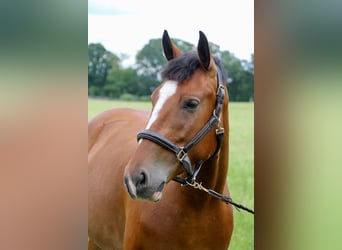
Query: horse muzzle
(144, 186)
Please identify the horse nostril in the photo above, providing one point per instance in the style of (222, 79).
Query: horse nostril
(141, 179)
(130, 186)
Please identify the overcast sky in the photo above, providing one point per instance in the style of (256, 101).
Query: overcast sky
(125, 26)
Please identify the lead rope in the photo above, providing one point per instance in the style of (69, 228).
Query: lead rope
(217, 195)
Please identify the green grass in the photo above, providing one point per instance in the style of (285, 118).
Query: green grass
(96, 106)
(241, 172)
(241, 162)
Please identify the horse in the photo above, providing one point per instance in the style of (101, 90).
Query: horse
(137, 160)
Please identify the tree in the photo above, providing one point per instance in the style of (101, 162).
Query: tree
(240, 77)
(120, 81)
(106, 77)
(100, 62)
(150, 59)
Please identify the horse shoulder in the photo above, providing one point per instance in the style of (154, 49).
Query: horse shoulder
(97, 125)
(111, 137)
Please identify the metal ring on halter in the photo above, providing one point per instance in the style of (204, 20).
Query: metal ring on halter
(181, 154)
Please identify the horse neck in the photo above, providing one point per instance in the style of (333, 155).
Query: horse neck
(214, 172)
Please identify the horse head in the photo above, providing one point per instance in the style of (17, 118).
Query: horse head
(184, 103)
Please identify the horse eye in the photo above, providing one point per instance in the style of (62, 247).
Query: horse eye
(191, 104)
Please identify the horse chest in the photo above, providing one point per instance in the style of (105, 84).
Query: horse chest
(179, 229)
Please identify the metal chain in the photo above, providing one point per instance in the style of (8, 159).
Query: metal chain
(197, 185)
(226, 199)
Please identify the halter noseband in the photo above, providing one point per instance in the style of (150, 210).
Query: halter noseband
(182, 152)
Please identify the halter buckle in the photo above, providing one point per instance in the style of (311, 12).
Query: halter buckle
(220, 129)
(181, 154)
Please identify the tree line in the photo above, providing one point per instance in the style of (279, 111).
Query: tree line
(108, 78)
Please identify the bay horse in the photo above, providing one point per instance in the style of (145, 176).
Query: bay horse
(133, 202)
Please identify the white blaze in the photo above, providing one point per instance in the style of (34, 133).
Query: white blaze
(166, 91)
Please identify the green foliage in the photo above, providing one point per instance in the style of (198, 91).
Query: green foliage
(95, 91)
(100, 61)
(128, 97)
(108, 79)
(150, 59)
(145, 98)
(183, 45)
(122, 81)
(240, 77)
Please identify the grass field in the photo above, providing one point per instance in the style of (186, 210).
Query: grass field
(241, 162)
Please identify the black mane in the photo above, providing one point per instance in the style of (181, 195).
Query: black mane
(184, 66)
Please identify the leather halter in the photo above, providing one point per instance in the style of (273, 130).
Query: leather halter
(182, 152)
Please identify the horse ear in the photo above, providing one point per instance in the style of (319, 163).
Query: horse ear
(170, 49)
(204, 51)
